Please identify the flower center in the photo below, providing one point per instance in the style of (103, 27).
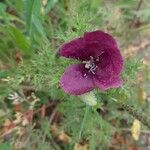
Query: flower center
(90, 65)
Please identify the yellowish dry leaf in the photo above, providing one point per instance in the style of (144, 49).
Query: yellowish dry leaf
(135, 129)
(79, 146)
(54, 130)
(64, 137)
(44, 2)
(18, 119)
(60, 135)
(147, 63)
(25, 122)
(141, 95)
(7, 79)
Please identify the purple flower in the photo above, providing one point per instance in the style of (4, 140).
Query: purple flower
(101, 63)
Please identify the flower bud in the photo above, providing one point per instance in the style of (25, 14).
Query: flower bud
(89, 98)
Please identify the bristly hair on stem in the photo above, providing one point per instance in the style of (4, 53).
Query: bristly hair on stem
(136, 113)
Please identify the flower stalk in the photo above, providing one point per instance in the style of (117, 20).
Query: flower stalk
(84, 120)
(142, 117)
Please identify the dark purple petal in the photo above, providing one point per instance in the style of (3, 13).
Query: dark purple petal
(94, 50)
(104, 60)
(111, 60)
(100, 37)
(74, 82)
(117, 62)
(108, 71)
(73, 49)
(106, 82)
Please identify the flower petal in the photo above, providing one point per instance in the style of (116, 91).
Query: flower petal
(100, 37)
(73, 49)
(107, 81)
(98, 44)
(111, 61)
(117, 62)
(74, 82)
(93, 49)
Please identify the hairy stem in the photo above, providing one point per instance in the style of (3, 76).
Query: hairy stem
(145, 119)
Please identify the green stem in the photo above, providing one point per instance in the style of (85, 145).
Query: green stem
(142, 117)
(84, 119)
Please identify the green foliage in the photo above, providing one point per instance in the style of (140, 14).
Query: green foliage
(132, 66)
(37, 31)
(50, 5)
(2, 8)
(95, 129)
(5, 146)
(42, 71)
(19, 39)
